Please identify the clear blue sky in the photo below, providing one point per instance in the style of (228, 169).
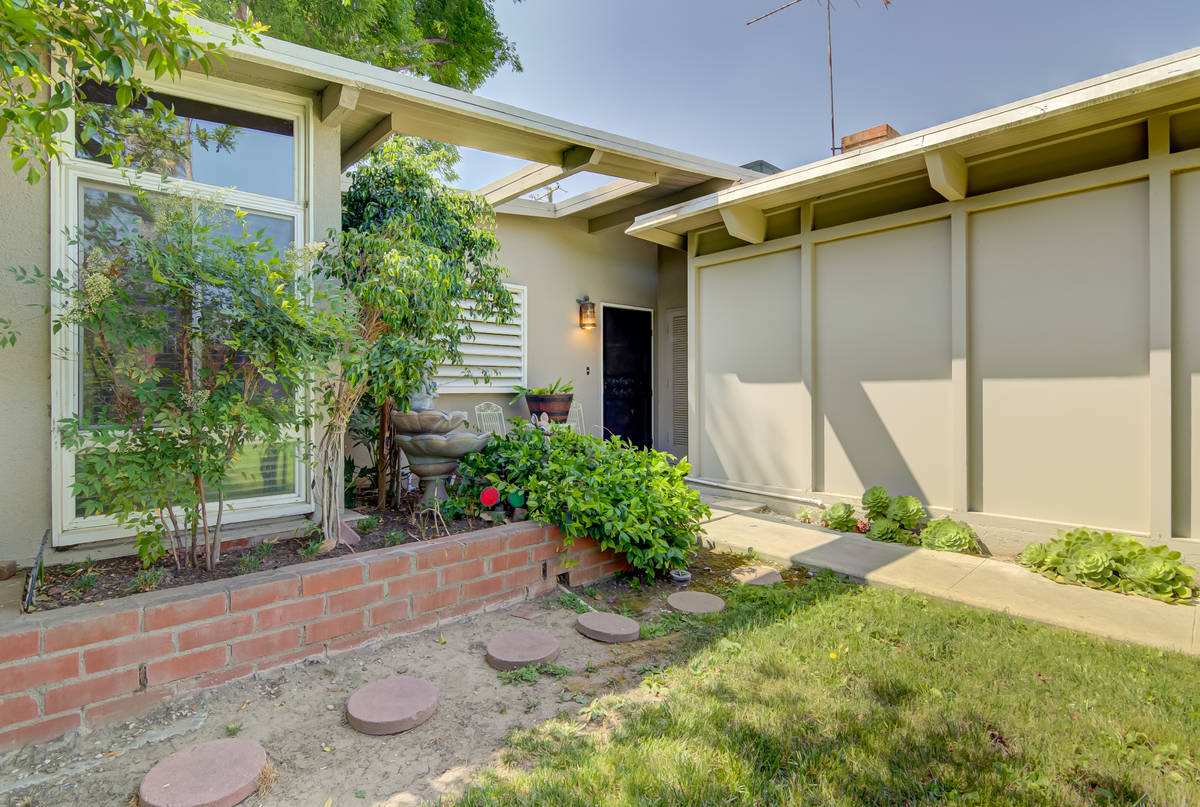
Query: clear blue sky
(690, 74)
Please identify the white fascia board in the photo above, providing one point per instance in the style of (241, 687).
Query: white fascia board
(1169, 70)
(334, 69)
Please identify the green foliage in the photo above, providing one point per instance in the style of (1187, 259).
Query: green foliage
(197, 342)
(948, 535)
(531, 673)
(251, 560)
(1113, 562)
(368, 523)
(631, 500)
(572, 602)
(558, 387)
(51, 50)
(310, 549)
(453, 42)
(883, 529)
(233, 729)
(147, 579)
(83, 583)
(841, 517)
(394, 538)
(906, 511)
(875, 502)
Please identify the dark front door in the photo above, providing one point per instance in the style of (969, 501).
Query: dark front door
(628, 373)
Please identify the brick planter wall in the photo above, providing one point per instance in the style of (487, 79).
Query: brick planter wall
(90, 664)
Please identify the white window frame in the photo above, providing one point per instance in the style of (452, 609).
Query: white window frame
(65, 179)
(485, 386)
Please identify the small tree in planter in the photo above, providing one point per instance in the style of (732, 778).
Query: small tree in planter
(199, 344)
(553, 401)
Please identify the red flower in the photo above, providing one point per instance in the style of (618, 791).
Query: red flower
(489, 497)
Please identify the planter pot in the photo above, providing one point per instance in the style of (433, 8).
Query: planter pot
(555, 407)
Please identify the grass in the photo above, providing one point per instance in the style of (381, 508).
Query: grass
(831, 694)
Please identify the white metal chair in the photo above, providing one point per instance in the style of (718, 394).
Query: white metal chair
(489, 417)
(575, 418)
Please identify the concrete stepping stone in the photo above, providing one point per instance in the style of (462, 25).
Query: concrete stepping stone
(391, 706)
(517, 648)
(604, 627)
(220, 773)
(695, 602)
(757, 575)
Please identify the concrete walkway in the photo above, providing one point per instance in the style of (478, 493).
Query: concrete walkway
(738, 525)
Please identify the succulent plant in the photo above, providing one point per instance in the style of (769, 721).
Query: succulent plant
(948, 535)
(841, 517)
(906, 511)
(875, 501)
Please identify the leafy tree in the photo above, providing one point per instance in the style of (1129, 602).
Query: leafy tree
(49, 50)
(411, 253)
(453, 42)
(199, 342)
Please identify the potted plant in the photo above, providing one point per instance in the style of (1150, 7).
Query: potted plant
(553, 401)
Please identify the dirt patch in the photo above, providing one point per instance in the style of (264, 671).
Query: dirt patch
(105, 580)
(298, 713)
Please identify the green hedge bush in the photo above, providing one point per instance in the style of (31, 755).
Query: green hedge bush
(1113, 562)
(631, 500)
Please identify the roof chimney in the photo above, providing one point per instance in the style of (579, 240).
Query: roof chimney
(868, 137)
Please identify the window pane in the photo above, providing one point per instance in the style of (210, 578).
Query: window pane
(206, 143)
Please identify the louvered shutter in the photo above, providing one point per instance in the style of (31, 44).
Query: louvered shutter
(679, 378)
(496, 347)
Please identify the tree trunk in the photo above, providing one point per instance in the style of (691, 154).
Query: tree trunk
(381, 457)
(329, 492)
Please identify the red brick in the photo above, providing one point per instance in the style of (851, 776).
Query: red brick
(462, 571)
(590, 557)
(191, 610)
(126, 707)
(390, 612)
(512, 560)
(130, 651)
(17, 710)
(234, 543)
(355, 598)
(287, 658)
(482, 588)
(90, 690)
(89, 631)
(613, 566)
(503, 597)
(383, 568)
(330, 628)
(269, 593)
(292, 612)
(38, 732)
(18, 645)
(546, 552)
(266, 645)
(433, 554)
(215, 679)
(482, 547)
(356, 640)
(536, 535)
(423, 603)
(185, 666)
(415, 625)
(331, 580)
(39, 672)
(412, 585)
(464, 609)
(582, 575)
(522, 577)
(222, 630)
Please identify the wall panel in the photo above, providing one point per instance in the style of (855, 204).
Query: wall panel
(1185, 353)
(749, 373)
(882, 318)
(1059, 362)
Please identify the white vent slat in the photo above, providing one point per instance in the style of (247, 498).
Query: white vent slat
(496, 347)
(679, 379)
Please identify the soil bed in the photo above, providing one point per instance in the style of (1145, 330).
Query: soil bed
(298, 713)
(105, 580)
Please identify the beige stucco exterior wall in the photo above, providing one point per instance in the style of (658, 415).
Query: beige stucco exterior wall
(1185, 254)
(558, 261)
(24, 368)
(748, 373)
(1059, 359)
(672, 298)
(883, 362)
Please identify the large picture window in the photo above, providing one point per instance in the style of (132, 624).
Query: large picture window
(254, 161)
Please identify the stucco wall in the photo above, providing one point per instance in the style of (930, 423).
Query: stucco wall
(559, 261)
(672, 297)
(1185, 254)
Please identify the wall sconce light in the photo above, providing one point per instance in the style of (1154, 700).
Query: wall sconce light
(587, 313)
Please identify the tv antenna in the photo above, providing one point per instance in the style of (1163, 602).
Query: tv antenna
(547, 194)
(833, 146)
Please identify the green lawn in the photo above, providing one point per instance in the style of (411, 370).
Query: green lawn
(832, 694)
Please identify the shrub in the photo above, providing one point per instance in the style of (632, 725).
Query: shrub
(147, 579)
(876, 501)
(948, 535)
(841, 517)
(631, 500)
(1113, 562)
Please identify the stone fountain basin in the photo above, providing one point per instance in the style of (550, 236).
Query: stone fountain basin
(454, 445)
(428, 421)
